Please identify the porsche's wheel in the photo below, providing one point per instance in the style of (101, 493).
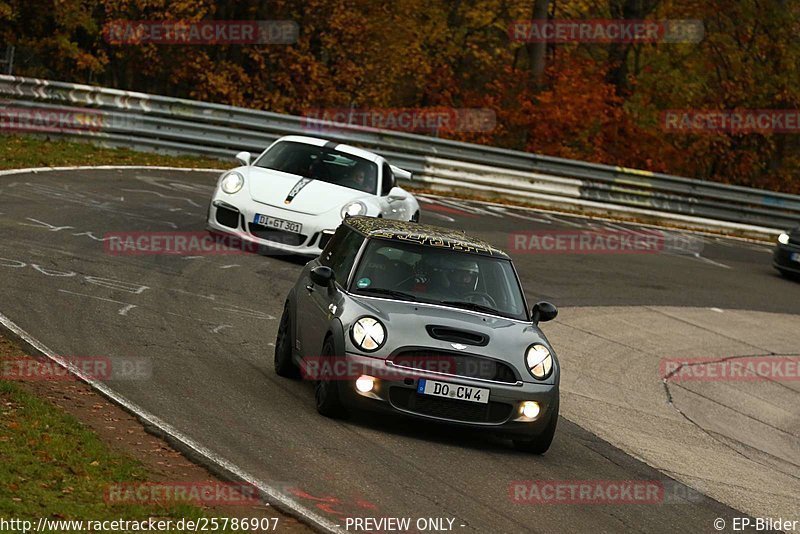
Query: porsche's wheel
(540, 443)
(284, 366)
(415, 217)
(326, 391)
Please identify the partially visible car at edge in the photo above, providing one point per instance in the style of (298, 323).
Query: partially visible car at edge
(786, 257)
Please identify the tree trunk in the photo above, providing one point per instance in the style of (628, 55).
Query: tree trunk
(537, 58)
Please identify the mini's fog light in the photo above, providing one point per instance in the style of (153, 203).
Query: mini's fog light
(529, 409)
(365, 383)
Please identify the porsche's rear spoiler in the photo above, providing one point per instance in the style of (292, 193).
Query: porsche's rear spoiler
(401, 174)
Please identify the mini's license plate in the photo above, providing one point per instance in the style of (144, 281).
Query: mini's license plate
(278, 224)
(453, 391)
(795, 256)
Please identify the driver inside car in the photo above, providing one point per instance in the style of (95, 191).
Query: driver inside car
(359, 180)
(462, 277)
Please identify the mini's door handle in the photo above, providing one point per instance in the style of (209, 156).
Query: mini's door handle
(310, 288)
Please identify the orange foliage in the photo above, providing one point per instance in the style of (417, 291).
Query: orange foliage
(414, 53)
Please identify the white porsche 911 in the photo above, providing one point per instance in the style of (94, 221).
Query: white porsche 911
(295, 194)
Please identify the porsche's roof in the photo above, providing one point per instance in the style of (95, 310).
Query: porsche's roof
(347, 149)
(422, 234)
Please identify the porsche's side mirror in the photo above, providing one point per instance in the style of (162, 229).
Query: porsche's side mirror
(243, 158)
(543, 311)
(322, 276)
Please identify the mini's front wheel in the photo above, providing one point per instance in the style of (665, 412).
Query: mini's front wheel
(326, 390)
(284, 366)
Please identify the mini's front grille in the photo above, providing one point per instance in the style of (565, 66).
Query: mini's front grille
(227, 217)
(469, 412)
(453, 363)
(276, 236)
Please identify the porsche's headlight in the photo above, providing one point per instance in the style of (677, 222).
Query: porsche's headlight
(540, 361)
(232, 182)
(783, 239)
(368, 334)
(351, 209)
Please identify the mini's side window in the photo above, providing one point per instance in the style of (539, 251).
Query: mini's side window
(341, 252)
(333, 244)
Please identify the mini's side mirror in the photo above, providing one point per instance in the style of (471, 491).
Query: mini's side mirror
(243, 158)
(322, 276)
(543, 311)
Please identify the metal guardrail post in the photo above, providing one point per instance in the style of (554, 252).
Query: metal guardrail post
(8, 60)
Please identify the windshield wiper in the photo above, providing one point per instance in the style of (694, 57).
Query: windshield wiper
(390, 292)
(472, 306)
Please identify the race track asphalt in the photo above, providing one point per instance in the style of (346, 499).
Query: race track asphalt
(207, 324)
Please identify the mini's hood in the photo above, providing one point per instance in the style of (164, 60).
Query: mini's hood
(308, 196)
(406, 321)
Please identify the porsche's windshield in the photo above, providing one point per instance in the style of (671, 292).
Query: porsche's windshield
(321, 163)
(408, 271)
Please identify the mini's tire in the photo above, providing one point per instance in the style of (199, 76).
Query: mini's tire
(284, 365)
(415, 217)
(326, 392)
(541, 443)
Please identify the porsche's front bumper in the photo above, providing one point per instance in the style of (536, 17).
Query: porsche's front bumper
(396, 391)
(238, 218)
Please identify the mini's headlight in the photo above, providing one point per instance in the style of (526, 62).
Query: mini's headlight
(352, 209)
(368, 334)
(783, 239)
(540, 361)
(232, 182)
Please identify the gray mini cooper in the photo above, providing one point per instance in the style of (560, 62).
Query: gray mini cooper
(422, 321)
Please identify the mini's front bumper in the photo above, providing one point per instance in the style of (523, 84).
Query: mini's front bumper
(238, 219)
(395, 391)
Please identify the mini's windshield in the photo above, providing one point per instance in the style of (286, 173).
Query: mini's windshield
(407, 271)
(320, 163)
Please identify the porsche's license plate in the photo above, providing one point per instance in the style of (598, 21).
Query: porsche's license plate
(795, 256)
(453, 391)
(278, 224)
